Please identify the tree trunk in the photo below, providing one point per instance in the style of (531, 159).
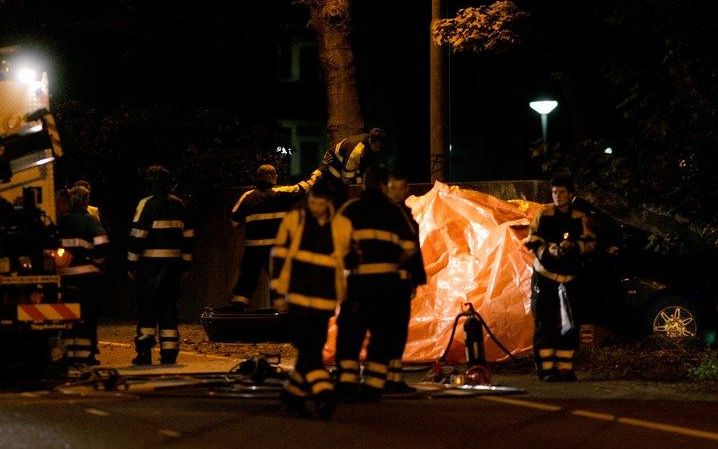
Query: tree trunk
(439, 99)
(331, 22)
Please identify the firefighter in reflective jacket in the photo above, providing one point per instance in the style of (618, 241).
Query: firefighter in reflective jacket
(307, 271)
(261, 210)
(382, 239)
(412, 275)
(158, 259)
(344, 164)
(559, 236)
(86, 242)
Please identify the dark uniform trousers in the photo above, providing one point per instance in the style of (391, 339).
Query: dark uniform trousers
(371, 303)
(554, 348)
(255, 260)
(308, 330)
(400, 314)
(158, 289)
(81, 342)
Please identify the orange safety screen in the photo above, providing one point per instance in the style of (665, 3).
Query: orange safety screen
(472, 244)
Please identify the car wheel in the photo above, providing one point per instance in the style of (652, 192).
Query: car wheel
(673, 317)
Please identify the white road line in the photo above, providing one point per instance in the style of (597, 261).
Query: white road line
(114, 343)
(688, 431)
(170, 433)
(96, 412)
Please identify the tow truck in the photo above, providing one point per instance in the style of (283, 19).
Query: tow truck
(34, 315)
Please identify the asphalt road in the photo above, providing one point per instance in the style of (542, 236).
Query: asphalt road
(130, 421)
(580, 415)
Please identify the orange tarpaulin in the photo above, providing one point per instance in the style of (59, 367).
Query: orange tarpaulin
(472, 244)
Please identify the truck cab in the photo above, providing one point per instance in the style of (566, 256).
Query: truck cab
(34, 314)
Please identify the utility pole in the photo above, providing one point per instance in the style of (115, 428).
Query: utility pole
(439, 99)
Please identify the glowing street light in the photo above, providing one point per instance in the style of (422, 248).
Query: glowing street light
(26, 76)
(544, 107)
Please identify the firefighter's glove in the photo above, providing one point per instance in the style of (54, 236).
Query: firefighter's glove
(280, 304)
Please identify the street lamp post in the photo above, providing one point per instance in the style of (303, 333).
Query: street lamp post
(544, 107)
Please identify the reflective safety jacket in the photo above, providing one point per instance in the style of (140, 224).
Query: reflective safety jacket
(348, 159)
(82, 236)
(262, 210)
(381, 234)
(553, 226)
(307, 260)
(161, 231)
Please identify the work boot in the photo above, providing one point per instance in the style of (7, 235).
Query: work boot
(347, 392)
(325, 403)
(369, 394)
(400, 387)
(143, 358)
(168, 360)
(295, 406)
(567, 376)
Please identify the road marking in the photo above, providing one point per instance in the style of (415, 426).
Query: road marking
(697, 433)
(114, 343)
(594, 415)
(670, 428)
(96, 412)
(28, 394)
(522, 403)
(170, 433)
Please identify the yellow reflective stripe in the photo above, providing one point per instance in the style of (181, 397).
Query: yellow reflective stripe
(312, 301)
(564, 354)
(316, 375)
(348, 377)
(376, 268)
(76, 243)
(553, 276)
(375, 382)
(160, 253)
(100, 239)
(316, 258)
(241, 299)
(407, 245)
(259, 242)
(546, 352)
(279, 251)
(564, 365)
(395, 363)
(169, 333)
(169, 344)
(349, 364)
(337, 151)
(375, 234)
(547, 365)
(168, 224)
(377, 367)
(403, 275)
(148, 331)
(296, 376)
(139, 233)
(334, 172)
(188, 233)
(187, 257)
(267, 216)
(355, 156)
(394, 377)
(140, 208)
(83, 342)
(294, 390)
(133, 257)
(80, 269)
(349, 174)
(322, 386)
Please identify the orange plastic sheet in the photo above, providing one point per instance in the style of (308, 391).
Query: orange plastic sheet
(472, 244)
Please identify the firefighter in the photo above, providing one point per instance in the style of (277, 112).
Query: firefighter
(344, 164)
(92, 210)
(411, 276)
(158, 261)
(381, 239)
(86, 241)
(308, 273)
(559, 237)
(260, 211)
